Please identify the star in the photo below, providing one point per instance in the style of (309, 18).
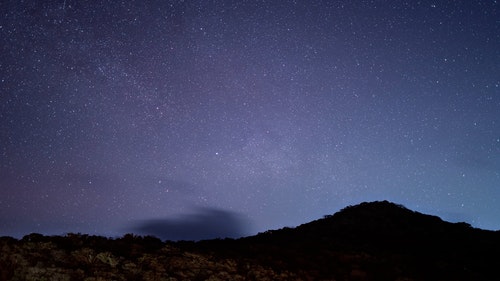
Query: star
(277, 111)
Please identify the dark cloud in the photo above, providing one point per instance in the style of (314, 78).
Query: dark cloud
(205, 223)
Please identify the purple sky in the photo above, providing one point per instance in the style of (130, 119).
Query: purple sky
(129, 116)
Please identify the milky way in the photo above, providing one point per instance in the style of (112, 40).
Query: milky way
(262, 114)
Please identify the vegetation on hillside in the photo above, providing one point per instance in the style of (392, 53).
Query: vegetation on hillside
(370, 241)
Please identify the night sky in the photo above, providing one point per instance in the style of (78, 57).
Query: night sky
(200, 119)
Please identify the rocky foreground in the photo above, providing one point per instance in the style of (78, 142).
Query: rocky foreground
(370, 241)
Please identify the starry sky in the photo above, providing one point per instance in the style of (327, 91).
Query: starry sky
(196, 119)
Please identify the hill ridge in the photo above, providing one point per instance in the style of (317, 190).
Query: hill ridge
(370, 241)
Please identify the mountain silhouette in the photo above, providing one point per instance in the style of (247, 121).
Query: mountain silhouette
(370, 241)
(378, 241)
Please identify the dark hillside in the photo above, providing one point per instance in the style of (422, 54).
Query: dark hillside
(381, 241)
(370, 241)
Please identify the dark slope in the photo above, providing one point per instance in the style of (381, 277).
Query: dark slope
(379, 226)
(370, 241)
(377, 241)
